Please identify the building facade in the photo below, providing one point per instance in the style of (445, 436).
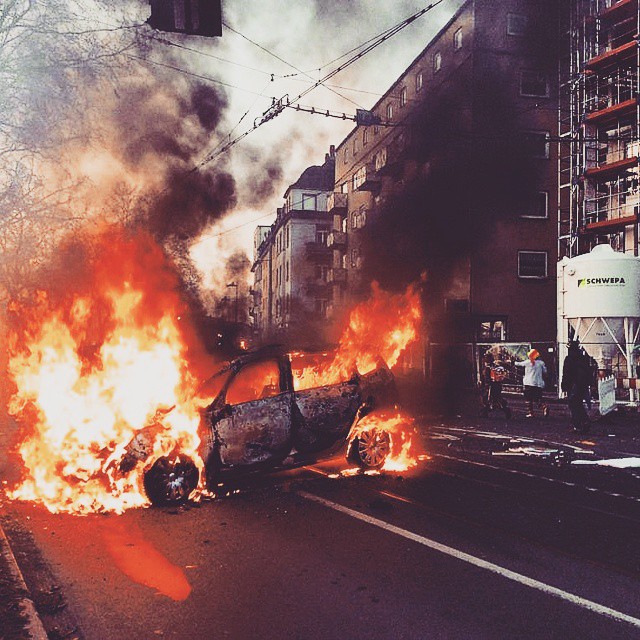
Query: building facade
(599, 192)
(456, 185)
(292, 261)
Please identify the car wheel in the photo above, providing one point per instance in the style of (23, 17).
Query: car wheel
(171, 480)
(370, 449)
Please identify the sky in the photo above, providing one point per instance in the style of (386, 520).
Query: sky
(308, 35)
(120, 115)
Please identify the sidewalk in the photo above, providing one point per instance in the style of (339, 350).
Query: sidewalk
(616, 435)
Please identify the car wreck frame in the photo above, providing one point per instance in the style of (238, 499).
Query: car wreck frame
(280, 428)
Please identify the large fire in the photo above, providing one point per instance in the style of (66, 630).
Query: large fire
(93, 367)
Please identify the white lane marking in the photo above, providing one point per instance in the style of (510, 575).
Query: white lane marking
(478, 562)
(531, 475)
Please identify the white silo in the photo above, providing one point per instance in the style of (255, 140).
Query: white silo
(599, 304)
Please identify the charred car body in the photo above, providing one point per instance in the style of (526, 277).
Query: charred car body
(258, 421)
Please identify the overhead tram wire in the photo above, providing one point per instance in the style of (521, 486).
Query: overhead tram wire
(277, 57)
(276, 110)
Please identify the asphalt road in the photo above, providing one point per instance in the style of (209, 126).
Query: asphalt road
(465, 547)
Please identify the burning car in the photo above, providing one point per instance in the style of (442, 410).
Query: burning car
(262, 418)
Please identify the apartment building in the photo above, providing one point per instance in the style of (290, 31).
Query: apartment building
(599, 151)
(292, 261)
(456, 185)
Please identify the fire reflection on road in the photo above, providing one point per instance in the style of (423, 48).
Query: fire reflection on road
(138, 559)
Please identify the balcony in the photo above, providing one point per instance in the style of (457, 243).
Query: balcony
(316, 250)
(317, 288)
(388, 161)
(338, 275)
(337, 203)
(366, 178)
(337, 240)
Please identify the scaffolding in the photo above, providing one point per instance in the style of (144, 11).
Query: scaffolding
(598, 126)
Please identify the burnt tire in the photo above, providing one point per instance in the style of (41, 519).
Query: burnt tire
(370, 449)
(171, 480)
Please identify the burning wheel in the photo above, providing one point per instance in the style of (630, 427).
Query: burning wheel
(171, 480)
(370, 449)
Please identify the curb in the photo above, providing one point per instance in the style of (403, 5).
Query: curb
(33, 624)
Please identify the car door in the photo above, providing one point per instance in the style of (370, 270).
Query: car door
(254, 427)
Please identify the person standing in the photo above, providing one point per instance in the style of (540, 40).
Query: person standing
(493, 375)
(535, 371)
(576, 378)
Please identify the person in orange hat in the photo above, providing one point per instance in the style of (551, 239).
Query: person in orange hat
(535, 371)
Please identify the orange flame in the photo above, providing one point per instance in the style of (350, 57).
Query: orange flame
(403, 435)
(382, 327)
(94, 368)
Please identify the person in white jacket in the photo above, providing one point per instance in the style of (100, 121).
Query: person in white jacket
(535, 371)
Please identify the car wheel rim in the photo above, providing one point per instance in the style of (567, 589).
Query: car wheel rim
(373, 447)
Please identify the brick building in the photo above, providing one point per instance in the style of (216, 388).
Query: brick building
(457, 183)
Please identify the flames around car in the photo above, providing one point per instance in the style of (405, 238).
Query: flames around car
(258, 419)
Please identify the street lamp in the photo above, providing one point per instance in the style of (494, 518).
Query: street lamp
(235, 314)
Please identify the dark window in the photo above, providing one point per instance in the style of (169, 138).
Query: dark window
(539, 206)
(537, 143)
(532, 264)
(403, 96)
(517, 24)
(534, 84)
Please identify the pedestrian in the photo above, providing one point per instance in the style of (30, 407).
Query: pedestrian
(576, 378)
(493, 375)
(533, 382)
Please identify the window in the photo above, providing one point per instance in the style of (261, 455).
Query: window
(403, 96)
(456, 305)
(360, 177)
(355, 145)
(437, 61)
(457, 39)
(490, 330)
(539, 206)
(322, 234)
(390, 111)
(534, 84)
(516, 24)
(322, 307)
(346, 154)
(359, 218)
(286, 272)
(344, 187)
(260, 380)
(355, 256)
(365, 137)
(322, 272)
(309, 201)
(537, 143)
(419, 81)
(376, 129)
(380, 159)
(532, 264)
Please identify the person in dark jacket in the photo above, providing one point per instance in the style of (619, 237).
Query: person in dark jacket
(493, 375)
(576, 377)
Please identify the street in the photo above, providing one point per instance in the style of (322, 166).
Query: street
(464, 546)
